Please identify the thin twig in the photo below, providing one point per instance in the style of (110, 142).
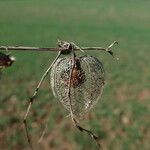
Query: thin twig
(26, 48)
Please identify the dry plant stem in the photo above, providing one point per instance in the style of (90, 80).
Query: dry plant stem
(27, 48)
(91, 134)
(43, 133)
(31, 100)
(24, 48)
(45, 128)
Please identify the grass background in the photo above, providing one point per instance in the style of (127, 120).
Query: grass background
(121, 118)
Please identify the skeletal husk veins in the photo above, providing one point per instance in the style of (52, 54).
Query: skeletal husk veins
(86, 82)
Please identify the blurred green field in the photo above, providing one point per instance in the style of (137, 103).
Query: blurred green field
(122, 116)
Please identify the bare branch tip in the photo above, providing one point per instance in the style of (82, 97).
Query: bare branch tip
(116, 42)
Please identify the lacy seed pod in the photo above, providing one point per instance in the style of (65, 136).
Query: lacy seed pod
(87, 82)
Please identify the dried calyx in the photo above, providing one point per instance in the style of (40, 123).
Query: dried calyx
(83, 77)
(6, 60)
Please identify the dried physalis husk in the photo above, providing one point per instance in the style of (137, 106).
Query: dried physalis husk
(6, 60)
(86, 84)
